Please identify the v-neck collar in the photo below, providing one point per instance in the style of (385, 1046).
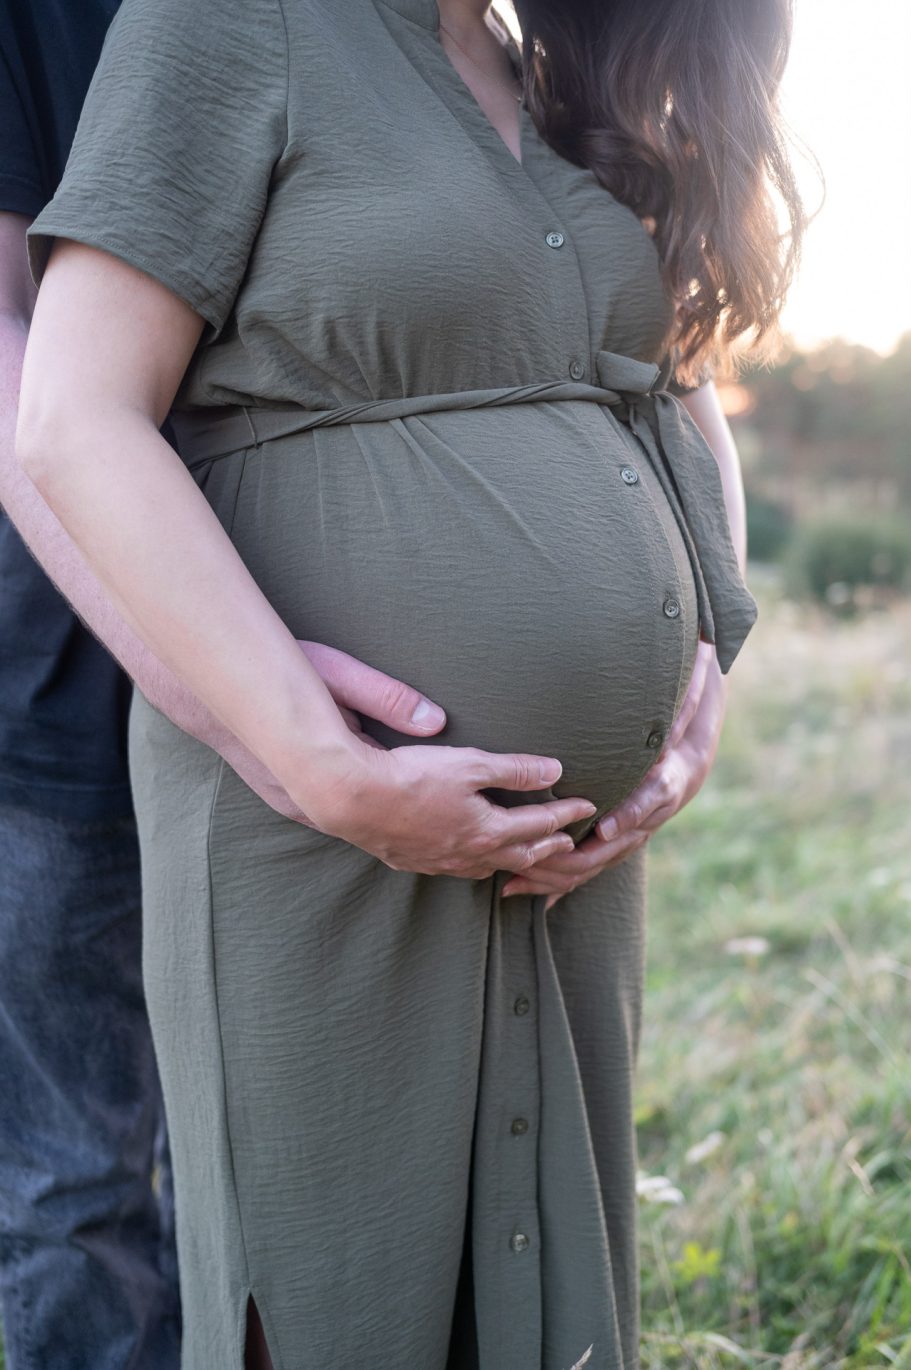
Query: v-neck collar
(426, 12)
(483, 129)
(476, 122)
(458, 97)
(423, 12)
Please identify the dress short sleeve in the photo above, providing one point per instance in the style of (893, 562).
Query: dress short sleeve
(173, 156)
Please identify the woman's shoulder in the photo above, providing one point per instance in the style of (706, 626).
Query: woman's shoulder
(173, 52)
(230, 31)
(171, 163)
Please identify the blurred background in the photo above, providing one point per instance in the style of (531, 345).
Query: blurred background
(775, 1081)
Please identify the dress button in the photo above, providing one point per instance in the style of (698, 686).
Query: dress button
(655, 738)
(629, 474)
(519, 1127)
(577, 370)
(554, 239)
(521, 1006)
(519, 1242)
(671, 608)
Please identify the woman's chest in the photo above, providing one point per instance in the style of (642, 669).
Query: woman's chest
(402, 234)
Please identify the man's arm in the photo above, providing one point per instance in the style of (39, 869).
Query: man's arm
(354, 685)
(36, 524)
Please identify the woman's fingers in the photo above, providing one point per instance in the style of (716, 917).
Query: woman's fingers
(532, 833)
(361, 687)
(562, 873)
(636, 840)
(523, 856)
(423, 808)
(530, 822)
(513, 770)
(657, 794)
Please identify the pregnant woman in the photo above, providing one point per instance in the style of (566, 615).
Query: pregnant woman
(414, 294)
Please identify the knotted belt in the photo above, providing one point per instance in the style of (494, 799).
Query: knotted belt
(683, 463)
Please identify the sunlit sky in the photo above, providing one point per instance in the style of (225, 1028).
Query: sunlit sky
(847, 94)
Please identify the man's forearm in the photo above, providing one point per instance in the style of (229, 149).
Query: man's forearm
(64, 564)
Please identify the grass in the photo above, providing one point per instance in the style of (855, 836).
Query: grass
(775, 1070)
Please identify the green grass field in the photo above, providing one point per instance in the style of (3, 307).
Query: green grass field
(775, 1074)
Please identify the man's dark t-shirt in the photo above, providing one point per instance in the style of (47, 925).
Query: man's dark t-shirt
(63, 700)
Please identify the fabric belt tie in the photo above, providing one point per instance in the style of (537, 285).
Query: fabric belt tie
(683, 463)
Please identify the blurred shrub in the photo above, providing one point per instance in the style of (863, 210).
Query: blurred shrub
(832, 558)
(839, 413)
(769, 528)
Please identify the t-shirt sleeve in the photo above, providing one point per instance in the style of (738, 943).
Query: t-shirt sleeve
(21, 191)
(173, 156)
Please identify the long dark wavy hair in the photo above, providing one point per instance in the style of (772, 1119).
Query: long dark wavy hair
(672, 104)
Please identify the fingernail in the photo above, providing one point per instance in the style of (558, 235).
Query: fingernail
(550, 771)
(608, 828)
(588, 809)
(427, 715)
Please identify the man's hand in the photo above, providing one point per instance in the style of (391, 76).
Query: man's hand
(357, 689)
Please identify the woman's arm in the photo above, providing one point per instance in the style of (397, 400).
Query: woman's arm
(705, 409)
(107, 350)
(354, 685)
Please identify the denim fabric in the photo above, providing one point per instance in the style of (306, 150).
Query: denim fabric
(88, 1272)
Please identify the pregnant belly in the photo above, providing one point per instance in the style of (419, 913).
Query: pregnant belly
(520, 566)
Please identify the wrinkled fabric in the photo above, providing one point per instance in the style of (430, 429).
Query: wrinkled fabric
(682, 459)
(430, 408)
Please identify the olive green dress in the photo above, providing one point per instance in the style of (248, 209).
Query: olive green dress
(430, 406)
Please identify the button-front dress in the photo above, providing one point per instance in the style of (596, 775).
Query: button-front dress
(430, 405)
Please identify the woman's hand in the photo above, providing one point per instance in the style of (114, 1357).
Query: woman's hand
(677, 775)
(416, 808)
(422, 808)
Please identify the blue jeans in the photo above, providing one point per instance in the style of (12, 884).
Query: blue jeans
(88, 1270)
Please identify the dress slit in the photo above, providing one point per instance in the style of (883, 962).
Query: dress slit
(257, 1355)
(463, 1343)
